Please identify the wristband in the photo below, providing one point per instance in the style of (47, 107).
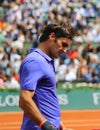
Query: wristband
(40, 125)
(48, 126)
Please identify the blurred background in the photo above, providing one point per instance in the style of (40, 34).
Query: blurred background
(21, 24)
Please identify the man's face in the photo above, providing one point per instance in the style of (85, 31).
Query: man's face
(59, 46)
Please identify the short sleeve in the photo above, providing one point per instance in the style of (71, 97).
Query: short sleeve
(30, 74)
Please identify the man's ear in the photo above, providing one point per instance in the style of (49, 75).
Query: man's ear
(52, 36)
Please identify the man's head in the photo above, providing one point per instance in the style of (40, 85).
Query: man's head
(60, 30)
(57, 38)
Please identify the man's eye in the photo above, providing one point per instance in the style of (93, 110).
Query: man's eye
(64, 44)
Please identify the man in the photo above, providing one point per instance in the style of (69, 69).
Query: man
(38, 98)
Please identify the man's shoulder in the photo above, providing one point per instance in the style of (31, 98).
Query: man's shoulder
(33, 57)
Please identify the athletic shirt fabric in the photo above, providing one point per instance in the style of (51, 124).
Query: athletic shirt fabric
(37, 73)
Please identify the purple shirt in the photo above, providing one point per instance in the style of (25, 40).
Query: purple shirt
(37, 73)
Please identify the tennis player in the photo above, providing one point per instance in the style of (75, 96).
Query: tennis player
(38, 97)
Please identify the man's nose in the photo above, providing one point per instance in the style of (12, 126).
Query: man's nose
(64, 50)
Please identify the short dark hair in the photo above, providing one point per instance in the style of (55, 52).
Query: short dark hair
(60, 30)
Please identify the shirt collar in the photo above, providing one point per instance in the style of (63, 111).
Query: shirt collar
(42, 54)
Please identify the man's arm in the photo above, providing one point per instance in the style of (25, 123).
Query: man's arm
(29, 106)
(32, 111)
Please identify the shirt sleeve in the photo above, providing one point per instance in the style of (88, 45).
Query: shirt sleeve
(30, 74)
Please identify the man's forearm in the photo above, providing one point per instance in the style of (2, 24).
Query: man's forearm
(31, 110)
